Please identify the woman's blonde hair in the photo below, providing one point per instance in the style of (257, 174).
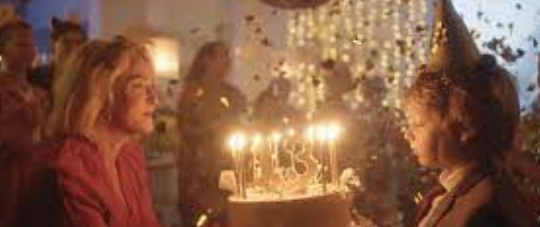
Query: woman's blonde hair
(84, 91)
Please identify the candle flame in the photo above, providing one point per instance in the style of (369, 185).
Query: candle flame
(334, 130)
(326, 132)
(256, 140)
(276, 137)
(291, 132)
(237, 141)
(310, 133)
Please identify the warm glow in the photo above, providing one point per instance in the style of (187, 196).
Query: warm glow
(334, 130)
(310, 133)
(321, 132)
(165, 56)
(276, 137)
(237, 141)
(326, 132)
(258, 154)
(256, 141)
(291, 132)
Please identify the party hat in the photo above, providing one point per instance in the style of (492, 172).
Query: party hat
(452, 47)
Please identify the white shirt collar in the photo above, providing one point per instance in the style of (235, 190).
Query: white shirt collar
(450, 179)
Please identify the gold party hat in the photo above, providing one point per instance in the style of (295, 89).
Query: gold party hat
(452, 47)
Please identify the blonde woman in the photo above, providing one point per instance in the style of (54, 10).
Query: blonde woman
(105, 100)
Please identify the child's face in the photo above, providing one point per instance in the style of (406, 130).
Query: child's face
(427, 136)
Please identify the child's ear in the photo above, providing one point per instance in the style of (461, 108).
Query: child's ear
(466, 133)
(466, 136)
(460, 132)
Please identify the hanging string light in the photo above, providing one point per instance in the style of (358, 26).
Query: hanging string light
(375, 38)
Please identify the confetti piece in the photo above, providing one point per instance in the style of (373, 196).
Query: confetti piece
(249, 18)
(418, 198)
(225, 102)
(202, 220)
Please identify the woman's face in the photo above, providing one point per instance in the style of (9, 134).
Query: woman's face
(19, 51)
(66, 44)
(427, 136)
(137, 99)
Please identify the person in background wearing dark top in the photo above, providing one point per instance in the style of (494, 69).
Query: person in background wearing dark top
(65, 37)
(272, 109)
(107, 104)
(371, 156)
(456, 125)
(22, 111)
(209, 108)
(338, 81)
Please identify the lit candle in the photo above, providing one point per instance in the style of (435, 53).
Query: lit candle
(326, 135)
(290, 148)
(237, 143)
(255, 144)
(333, 131)
(275, 138)
(310, 137)
(320, 136)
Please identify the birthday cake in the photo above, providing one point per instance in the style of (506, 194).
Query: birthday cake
(287, 180)
(330, 210)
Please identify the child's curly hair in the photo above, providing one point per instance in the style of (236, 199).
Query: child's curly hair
(466, 103)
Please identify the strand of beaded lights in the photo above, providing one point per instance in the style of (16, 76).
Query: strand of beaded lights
(351, 31)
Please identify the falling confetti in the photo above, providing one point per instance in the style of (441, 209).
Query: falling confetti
(199, 92)
(194, 31)
(358, 40)
(225, 102)
(369, 65)
(479, 15)
(266, 42)
(249, 18)
(531, 87)
(475, 34)
(256, 77)
(402, 46)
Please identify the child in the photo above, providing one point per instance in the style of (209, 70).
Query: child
(456, 125)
